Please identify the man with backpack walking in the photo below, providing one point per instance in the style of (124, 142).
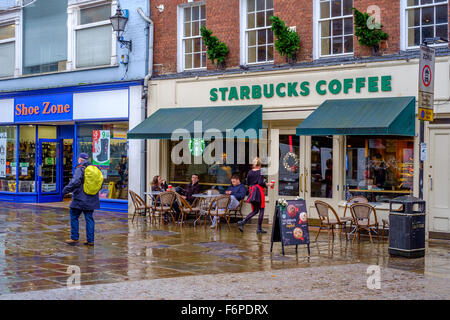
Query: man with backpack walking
(84, 186)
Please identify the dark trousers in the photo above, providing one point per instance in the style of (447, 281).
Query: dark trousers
(90, 224)
(256, 208)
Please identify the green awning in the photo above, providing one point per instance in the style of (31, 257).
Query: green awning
(164, 122)
(376, 116)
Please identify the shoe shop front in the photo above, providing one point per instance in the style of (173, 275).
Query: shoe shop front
(43, 131)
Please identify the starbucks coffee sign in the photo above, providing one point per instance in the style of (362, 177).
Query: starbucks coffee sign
(302, 88)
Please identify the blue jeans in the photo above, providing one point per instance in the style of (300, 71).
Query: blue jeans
(90, 224)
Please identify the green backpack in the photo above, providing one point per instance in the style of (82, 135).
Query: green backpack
(93, 180)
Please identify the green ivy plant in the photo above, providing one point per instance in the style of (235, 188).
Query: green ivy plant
(368, 32)
(216, 50)
(288, 41)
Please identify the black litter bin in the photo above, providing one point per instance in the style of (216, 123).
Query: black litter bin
(407, 227)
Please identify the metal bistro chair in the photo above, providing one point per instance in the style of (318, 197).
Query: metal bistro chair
(238, 209)
(164, 204)
(361, 213)
(186, 208)
(355, 199)
(219, 209)
(323, 210)
(140, 207)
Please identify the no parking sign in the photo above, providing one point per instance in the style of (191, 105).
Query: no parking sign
(426, 83)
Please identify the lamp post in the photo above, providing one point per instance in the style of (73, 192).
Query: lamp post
(118, 22)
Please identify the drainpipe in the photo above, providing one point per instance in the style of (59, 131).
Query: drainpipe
(144, 98)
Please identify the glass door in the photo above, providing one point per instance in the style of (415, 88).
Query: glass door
(49, 173)
(321, 172)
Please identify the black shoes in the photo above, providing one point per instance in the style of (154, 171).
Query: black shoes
(88, 243)
(241, 226)
(260, 230)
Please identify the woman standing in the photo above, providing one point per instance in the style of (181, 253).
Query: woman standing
(256, 198)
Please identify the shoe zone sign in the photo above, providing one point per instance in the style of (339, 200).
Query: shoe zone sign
(43, 108)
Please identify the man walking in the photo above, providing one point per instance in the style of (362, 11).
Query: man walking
(81, 203)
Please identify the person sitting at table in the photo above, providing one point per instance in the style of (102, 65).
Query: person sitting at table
(158, 184)
(236, 191)
(191, 189)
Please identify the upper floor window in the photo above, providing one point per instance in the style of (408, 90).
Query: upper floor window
(258, 32)
(45, 36)
(193, 49)
(335, 27)
(93, 35)
(426, 19)
(7, 50)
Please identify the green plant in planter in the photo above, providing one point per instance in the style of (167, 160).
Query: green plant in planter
(217, 50)
(288, 41)
(368, 33)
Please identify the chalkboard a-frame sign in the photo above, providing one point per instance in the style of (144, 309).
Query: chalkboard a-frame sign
(290, 225)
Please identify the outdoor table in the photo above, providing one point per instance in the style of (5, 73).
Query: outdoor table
(203, 197)
(152, 195)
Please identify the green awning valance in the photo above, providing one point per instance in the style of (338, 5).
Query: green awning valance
(376, 116)
(164, 122)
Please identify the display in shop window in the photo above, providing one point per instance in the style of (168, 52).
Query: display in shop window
(3, 139)
(101, 147)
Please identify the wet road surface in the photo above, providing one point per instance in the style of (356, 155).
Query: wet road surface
(33, 255)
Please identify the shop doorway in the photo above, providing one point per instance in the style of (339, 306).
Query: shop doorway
(49, 178)
(439, 181)
(319, 170)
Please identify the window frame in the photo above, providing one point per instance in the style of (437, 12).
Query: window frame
(10, 40)
(74, 12)
(181, 38)
(14, 16)
(317, 50)
(244, 37)
(404, 8)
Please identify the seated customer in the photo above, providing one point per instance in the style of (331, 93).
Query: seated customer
(236, 192)
(158, 184)
(191, 188)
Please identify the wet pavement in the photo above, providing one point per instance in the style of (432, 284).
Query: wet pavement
(33, 255)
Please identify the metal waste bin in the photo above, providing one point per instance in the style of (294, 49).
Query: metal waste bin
(407, 227)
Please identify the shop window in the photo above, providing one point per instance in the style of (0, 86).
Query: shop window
(194, 50)
(335, 27)
(379, 168)
(106, 145)
(7, 50)
(8, 158)
(288, 174)
(93, 34)
(27, 158)
(216, 175)
(258, 33)
(45, 36)
(426, 19)
(322, 167)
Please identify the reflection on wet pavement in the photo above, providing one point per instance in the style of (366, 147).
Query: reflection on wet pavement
(33, 255)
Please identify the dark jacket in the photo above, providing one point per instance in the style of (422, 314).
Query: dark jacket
(238, 191)
(81, 200)
(190, 190)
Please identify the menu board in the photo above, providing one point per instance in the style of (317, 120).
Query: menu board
(290, 225)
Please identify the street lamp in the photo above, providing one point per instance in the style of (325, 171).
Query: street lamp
(118, 22)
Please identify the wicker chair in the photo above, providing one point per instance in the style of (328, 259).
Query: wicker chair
(140, 207)
(186, 208)
(164, 204)
(219, 208)
(238, 209)
(326, 222)
(362, 213)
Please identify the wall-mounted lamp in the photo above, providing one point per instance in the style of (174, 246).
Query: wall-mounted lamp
(160, 8)
(119, 21)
